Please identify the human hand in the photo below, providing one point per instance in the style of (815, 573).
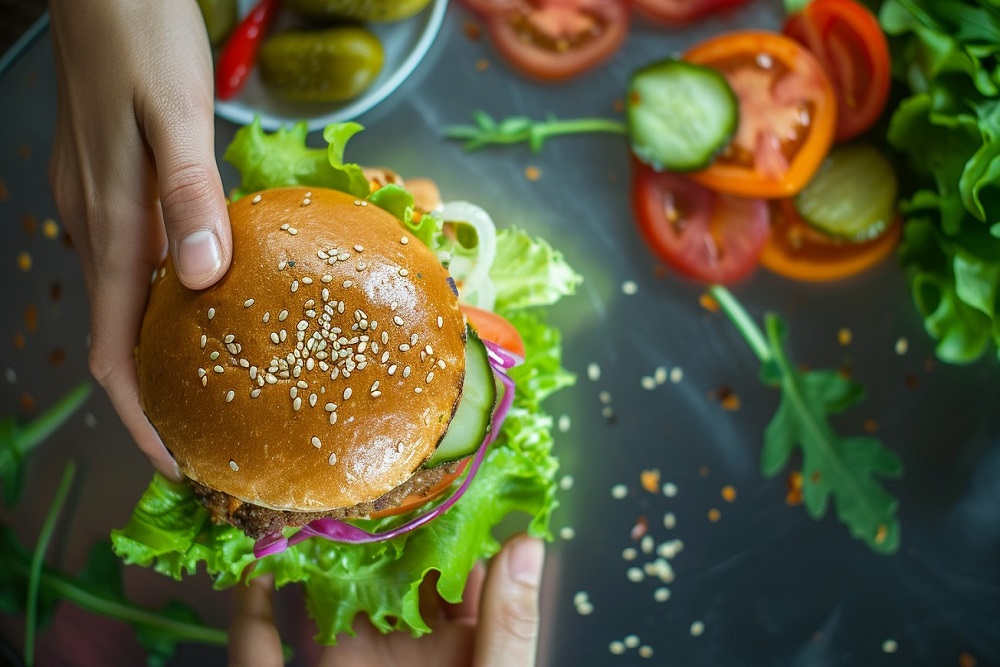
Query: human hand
(495, 624)
(133, 172)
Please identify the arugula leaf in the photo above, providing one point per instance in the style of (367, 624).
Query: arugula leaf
(17, 441)
(98, 589)
(844, 470)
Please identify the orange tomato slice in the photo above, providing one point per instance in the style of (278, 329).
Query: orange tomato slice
(788, 114)
(796, 250)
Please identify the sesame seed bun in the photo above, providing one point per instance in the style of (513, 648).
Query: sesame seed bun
(324, 368)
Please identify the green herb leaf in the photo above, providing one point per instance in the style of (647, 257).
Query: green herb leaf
(522, 129)
(843, 470)
(17, 442)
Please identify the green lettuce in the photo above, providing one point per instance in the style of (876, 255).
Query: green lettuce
(171, 532)
(947, 128)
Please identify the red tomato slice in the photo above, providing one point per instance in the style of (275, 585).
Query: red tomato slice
(705, 235)
(788, 112)
(495, 328)
(796, 250)
(553, 40)
(416, 500)
(852, 48)
(681, 12)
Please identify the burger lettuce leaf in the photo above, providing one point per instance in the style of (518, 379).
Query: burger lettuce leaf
(170, 531)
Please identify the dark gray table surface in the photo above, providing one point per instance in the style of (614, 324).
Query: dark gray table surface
(761, 585)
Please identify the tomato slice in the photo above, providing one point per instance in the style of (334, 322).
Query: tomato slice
(796, 250)
(554, 40)
(788, 113)
(681, 12)
(702, 234)
(416, 500)
(495, 328)
(853, 50)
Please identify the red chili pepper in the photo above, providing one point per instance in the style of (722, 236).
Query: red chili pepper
(240, 52)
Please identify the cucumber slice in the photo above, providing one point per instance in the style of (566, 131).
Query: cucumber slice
(474, 415)
(852, 196)
(680, 115)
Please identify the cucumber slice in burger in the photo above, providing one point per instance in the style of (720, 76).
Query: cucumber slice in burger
(474, 415)
(852, 196)
(680, 115)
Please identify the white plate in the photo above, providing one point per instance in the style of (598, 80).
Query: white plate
(405, 44)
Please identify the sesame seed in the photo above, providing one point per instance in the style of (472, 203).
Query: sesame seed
(230, 395)
(593, 371)
(255, 393)
(293, 392)
(282, 315)
(327, 278)
(616, 648)
(218, 369)
(214, 355)
(661, 594)
(282, 335)
(282, 264)
(660, 375)
(406, 371)
(274, 337)
(333, 418)
(229, 339)
(404, 272)
(697, 628)
(361, 266)
(211, 313)
(632, 641)
(404, 240)
(333, 458)
(670, 489)
(295, 286)
(297, 404)
(902, 345)
(305, 202)
(234, 466)
(204, 382)
(676, 374)
(889, 646)
(418, 390)
(248, 303)
(359, 248)
(267, 317)
(635, 574)
(619, 491)
(204, 341)
(201, 373)
(293, 231)
(316, 442)
(347, 393)
(430, 376)
(645, 651)
(392, 369)
(629, 287)
(255, 200)
(307, 280)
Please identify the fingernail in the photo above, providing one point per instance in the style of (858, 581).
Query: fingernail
(526, 558)
(199, 256)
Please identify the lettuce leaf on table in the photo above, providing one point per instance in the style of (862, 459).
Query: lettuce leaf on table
(171, 532)
(945, 52)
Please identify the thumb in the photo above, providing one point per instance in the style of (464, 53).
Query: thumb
(193, 201)
(197, 223)
(507, 633)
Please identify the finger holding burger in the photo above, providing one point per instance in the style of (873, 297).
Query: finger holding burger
(496, 624)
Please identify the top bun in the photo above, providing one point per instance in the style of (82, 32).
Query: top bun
(321, 371)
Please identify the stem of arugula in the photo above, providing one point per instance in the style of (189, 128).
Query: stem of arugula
(38, 558)
(741, 319)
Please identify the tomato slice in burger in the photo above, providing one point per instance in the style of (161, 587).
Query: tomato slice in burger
(853, 50)
(788, 113)
(702, 234)
(682, 12)
(554, 39)
(417, 500)
(797, 250)
(495, 328)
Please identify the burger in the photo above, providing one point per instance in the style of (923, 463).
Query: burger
(321, 376)
(357, 403)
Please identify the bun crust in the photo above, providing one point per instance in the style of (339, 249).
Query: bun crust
(321, 371)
